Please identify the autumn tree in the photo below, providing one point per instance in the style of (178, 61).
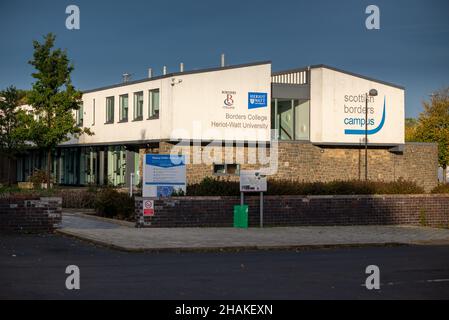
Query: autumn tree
(410, 129)
(433, 125)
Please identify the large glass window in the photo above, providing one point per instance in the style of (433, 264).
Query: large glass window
(123, 106)
(138, 105)
(153, 104)
(109, 109)
(285, 119)
(291, 118)
(302, 119)
(71, 166)
(116, 165)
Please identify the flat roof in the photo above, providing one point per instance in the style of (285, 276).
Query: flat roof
(317, 66)
(168, 75)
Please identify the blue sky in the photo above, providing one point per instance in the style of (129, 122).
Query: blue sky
(410, 49)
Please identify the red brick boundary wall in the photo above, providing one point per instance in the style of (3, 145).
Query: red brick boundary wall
(36, 215)
(415, 210)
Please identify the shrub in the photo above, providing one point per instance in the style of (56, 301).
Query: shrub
(422, 217)
(79, 199)
(38, 177)
(114, 204)
(441, 188)
(215, 187)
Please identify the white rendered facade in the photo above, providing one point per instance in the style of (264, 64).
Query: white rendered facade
(318, 104)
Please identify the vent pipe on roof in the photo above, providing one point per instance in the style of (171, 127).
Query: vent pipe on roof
(164, 70)
(223, 62)
(150, 73)
(181, 67)
(126, 77)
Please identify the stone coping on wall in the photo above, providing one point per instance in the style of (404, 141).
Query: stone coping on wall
(359, 196)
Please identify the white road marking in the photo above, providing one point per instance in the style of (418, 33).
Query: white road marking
(438, 280)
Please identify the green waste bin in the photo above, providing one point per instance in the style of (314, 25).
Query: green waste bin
(241, 216)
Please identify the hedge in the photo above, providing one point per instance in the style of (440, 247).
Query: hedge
(216, 187)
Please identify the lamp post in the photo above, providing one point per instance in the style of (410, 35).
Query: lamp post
(371, 93)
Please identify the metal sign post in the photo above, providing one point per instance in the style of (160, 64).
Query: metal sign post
(131, 184)
(261, 210)
(253, 181)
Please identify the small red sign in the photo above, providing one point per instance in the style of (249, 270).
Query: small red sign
(148, 208)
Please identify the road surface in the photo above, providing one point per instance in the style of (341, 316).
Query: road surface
(33, 267)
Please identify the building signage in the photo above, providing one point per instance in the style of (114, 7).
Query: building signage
(257, 100)
(229, 104)
(163, 174)
(148, 208)
(338, 110)
(359, 123)
(229, 99)
(252, 181)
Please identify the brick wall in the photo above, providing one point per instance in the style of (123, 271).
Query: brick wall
(304, 161)
(429, 210)
(36, 215)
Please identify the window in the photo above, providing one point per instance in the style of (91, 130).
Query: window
(123, 106)
(230, 169)
(109, 109)
(79, 115)
(285, 119)
(93, 112)
(138, 105)
(291, 118)
(153, 104)
(301, 119)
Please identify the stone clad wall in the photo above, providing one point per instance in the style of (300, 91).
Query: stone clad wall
(304, 161)
(414, 210)
(38, 215)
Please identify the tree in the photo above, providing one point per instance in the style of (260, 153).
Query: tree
(433, 125)
(23, 96)
(14, 123)
(410, 129)
(54, 99)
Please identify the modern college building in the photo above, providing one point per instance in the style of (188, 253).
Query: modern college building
(318, 113)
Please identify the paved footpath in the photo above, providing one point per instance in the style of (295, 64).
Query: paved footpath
(125, 237)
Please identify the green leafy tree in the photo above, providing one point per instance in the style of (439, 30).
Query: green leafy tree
(433, 125)
(14, 123)
(23, 96)
(54, 99)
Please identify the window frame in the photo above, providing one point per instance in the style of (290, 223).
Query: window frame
(151, 114)
(93, 112)
(135, 106)
(80, 115)
(226, 170)
(110, 117)
(120, 99)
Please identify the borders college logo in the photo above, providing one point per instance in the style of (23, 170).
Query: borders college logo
(229, 99)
